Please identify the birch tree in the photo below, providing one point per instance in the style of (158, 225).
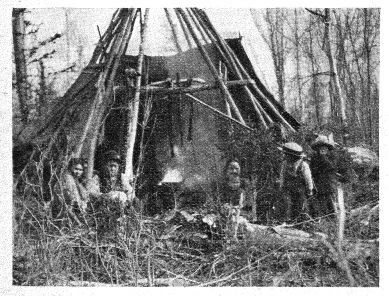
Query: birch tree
(275, 39)
(19, 31)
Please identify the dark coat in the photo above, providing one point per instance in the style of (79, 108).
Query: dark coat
(323, 172)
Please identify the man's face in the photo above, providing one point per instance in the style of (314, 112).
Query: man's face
(233, 169)
(78, 170)
(113, 168)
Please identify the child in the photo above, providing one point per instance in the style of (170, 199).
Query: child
(324, 176)
(295, 181)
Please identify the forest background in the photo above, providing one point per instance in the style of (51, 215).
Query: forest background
(322, 65)
(294, 64)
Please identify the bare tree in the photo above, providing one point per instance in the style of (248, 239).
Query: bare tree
(275, 39)
(298, 63)
(19, 31)
(334, 81)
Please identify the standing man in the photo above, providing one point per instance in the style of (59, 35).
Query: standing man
(296, 182)
(324, 175)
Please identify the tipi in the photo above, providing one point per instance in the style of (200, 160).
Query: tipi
(162, 85)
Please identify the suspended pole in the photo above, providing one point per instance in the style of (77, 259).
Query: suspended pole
(217, 111)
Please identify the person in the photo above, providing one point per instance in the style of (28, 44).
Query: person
(233, 200)
(324, 175)
(112, 181)
(92, 185)
(71, 195)
(295, 182)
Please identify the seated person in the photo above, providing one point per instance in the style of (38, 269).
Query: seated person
(70, 192)
(93, 185)
(233, 188)
(112, 181)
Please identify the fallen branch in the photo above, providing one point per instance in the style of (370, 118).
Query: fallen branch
(169, 282)
(284, 235)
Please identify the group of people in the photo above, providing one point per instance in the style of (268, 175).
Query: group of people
(75, 191)
(307, 187)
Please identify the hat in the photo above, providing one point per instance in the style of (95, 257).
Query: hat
(292, 149)
(322, 140)
(112, 155)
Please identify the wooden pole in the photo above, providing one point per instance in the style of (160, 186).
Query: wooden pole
(184, 29)
(229, 61)
(218, 112)
(198, 27)
(134, 105)
(103, 39)
(244, 72)
(100, 83)
(228, 107)
(212, 68)
(88, 123)
(105, 92)
(223, 48)
(174, 31)
(157, 90)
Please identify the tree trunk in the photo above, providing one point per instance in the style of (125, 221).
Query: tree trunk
(339, 99)
(367, 49)
(314, 87)
(19, 31)
(361, 101)
(276, 44)
(298, 65)
(42, 89)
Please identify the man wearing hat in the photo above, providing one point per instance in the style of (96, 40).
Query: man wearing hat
(295, 181)
(324, 175)
(112, 181)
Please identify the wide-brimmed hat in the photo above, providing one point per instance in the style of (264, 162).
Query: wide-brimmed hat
(322, 140)
(292, 149)
(112, 155)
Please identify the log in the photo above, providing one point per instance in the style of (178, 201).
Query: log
(284, 235)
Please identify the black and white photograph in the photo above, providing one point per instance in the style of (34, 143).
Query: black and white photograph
(193, 147)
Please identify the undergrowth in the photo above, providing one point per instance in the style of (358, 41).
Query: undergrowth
(135, 250)
(187, 247)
